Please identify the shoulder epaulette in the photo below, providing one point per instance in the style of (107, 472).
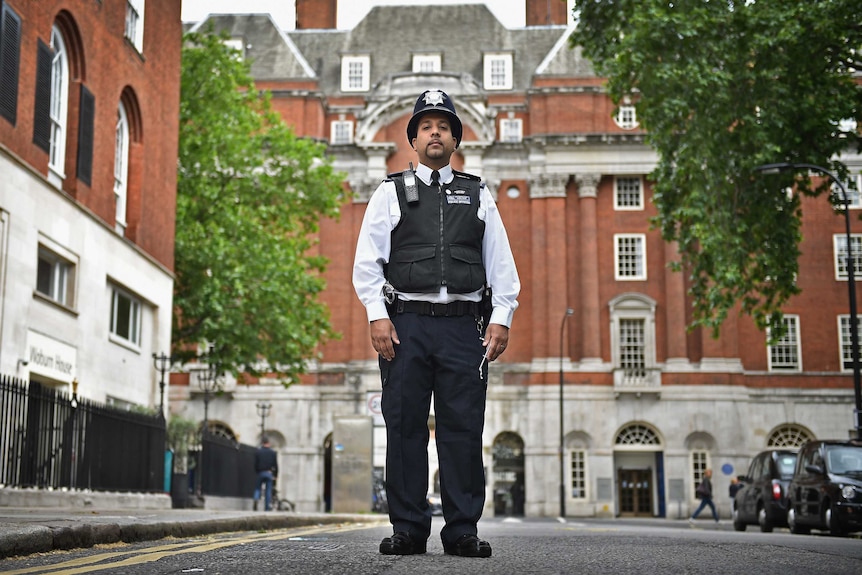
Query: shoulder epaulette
(467, 176)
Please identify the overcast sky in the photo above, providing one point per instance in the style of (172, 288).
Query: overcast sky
(511, 13)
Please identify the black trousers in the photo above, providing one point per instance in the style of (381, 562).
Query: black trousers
(439, 357)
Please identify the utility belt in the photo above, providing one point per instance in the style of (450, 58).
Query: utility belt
(452, 309)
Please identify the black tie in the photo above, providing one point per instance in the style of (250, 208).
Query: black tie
(435, 178)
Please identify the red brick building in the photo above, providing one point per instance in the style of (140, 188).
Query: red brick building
(646, 405)
(89, 116)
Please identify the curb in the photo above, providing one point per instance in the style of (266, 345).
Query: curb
(26, 540)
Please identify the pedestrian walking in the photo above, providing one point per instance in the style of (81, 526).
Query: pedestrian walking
(266, 468)
(704, 492)
(435, 272)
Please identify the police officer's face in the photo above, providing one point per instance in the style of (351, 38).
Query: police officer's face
(434, 141)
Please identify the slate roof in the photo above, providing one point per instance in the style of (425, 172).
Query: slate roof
(272, 54)
(390, 35)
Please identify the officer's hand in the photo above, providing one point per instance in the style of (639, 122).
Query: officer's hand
(496, 340)
(383, 338)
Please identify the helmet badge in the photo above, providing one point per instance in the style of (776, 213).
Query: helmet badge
(434, 98)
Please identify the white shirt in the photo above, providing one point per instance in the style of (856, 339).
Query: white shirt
(375, 241)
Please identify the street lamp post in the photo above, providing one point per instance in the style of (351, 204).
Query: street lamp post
(569, 311)
(263, 408)
(851, 278)
(207, 381)
(162, 363)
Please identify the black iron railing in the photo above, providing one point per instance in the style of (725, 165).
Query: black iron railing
(227, 467)
(51, 440)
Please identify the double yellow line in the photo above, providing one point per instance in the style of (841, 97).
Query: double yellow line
(108, 560)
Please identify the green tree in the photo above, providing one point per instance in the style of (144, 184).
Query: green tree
(721, 87)
(250, 194)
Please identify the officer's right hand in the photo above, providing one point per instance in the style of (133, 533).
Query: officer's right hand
(384, 337)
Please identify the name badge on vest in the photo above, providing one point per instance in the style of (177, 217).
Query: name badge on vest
(457, 197)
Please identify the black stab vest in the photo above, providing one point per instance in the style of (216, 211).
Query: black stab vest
(438, 241)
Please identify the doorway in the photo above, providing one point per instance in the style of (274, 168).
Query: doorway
(509, 492)
(634, 488)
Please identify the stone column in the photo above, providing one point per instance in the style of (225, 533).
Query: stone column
(589, 305)
(549, 260)
(677, 346)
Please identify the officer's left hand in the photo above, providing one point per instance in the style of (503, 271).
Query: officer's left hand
(496, 340)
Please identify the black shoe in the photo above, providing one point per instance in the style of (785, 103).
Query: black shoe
(468, 545)
(401, 544)
(255, 505)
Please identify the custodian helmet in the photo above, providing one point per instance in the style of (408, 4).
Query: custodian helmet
(434, 101)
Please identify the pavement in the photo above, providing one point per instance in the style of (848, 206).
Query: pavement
(24, 531)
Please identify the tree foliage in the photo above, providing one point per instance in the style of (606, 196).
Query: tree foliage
(250, 194)
(721, 87)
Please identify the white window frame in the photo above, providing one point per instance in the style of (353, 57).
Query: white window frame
(341, 132)
(633, 307)
(786, 354)
(630, 349)
(61, 266)
(699, 465)
(626, 117)
(355, 73)
(623, 190)
(236, 44)
(511, 130)
(134, 27)
(788, 435)
(577, 474)
(854, 197)
(427, 63)
(121, 166)
(845, 355)
(839, 250)
(639, 241)
(59, 103)
(498, 71)
(119, 297)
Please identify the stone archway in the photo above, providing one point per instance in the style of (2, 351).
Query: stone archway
(509, 489)
(639, 466)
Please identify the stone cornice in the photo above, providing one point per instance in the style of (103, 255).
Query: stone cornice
(606, 138)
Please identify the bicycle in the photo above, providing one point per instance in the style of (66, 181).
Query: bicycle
(281, 503)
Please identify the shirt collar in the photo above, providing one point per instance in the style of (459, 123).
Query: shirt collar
(424, 173)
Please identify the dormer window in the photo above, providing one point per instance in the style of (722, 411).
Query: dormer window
(626, 117)
(236, 44)
(355, 73)
(498, 71)
(427, 63)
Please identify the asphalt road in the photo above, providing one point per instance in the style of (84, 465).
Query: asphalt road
(520, 547)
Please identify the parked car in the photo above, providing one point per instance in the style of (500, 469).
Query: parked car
(762, 499)
(826, 489)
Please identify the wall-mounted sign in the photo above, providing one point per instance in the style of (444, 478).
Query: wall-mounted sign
(51, 358)
(374, 408)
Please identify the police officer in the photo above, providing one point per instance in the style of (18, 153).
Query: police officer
(431, 245)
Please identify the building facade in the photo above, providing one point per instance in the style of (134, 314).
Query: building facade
(604, 403)
(89, 99)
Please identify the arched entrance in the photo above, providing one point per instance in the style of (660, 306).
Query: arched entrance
(509, 492)
(639, 464)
